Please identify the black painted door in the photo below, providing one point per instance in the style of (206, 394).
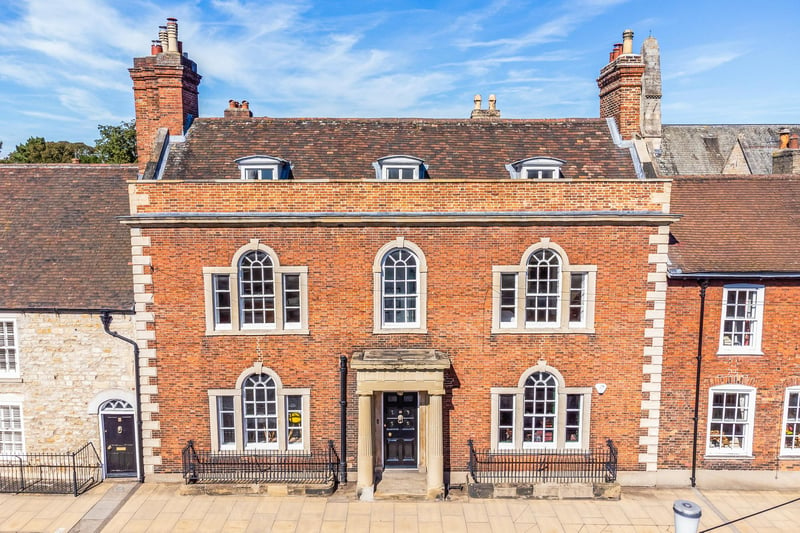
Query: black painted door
(400, 429)
(120, 439)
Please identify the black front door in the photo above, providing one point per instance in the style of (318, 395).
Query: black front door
(120, 440)
(400, 429)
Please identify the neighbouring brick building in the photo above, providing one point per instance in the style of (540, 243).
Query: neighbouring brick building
(733, 255)
(489, 279)
(733, 258)
(65, 260)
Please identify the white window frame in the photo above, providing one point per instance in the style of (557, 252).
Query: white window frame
(790, 430)
(538, 168)
(252, 168)
(9, 350)
(384, 164)
(718, 443)
(500, 320)
(418, 326)
(757, 320)
(9, 402)
(281, 398)
(236, 326)
(562, 391)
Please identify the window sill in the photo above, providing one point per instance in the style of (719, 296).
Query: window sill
(728, 456)
(250, 332)
(10, 380)
(390, 331)
(534, 331)
(785, 456)
(752, 353)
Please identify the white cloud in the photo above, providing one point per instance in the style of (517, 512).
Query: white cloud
(703, 58)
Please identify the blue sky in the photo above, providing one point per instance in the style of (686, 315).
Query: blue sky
(63, 63)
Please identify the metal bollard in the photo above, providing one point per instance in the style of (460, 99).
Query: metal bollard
(687, 516)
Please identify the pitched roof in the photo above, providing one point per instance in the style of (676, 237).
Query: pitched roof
(61, 246)
(706, 149)
(736, 224)
(322, 148)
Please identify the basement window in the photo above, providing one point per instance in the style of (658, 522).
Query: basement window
(262, 167)
(541, 168)
(400, 167)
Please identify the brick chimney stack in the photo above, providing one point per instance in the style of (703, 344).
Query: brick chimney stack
(620, 84)
(164, 90)
(237, 110)
(786, 160)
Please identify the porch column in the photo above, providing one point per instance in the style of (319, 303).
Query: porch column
(435, 447)
(366, 466)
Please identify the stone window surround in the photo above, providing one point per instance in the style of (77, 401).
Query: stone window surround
(746, 450)
(567, 270)
(281, 393)
(561, 416)
(15, 401)
(14, 376)
(422, 288)
(755, 349)
(233, 272)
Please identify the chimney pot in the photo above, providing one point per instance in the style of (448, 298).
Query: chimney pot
(627, 42)
(794, 142)
(75, 160)
(245, 104)
(477, 101)
(783, 135)
(172, 35)
(162, 36)
(617, 51)
(492, 102)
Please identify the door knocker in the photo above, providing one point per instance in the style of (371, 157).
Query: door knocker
(119, 430)
(399, 419)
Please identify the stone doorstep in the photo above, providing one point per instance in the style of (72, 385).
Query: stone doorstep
(243, 489)
(408, 485)
(552, 491)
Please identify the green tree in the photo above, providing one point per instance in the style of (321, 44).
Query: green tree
(38, 150)
(117, 144)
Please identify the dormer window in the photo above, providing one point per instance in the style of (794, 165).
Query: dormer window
(400, 167)
(262, 167)
(541, 168)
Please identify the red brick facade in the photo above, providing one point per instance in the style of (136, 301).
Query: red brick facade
(770, 374)
(460, 257)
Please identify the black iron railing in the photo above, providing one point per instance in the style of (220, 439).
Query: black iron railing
(261, 466)
(51, 473)
(544, 466)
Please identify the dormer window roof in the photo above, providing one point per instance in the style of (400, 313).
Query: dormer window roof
(264, 167)
(543, 168)
(400, 167)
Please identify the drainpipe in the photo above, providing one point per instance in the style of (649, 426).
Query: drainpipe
(703, 286)
(105, 318)
(343, 419)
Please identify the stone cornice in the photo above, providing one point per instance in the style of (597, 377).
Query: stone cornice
(591, 218)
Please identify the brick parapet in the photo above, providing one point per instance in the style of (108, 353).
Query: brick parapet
(348, 196)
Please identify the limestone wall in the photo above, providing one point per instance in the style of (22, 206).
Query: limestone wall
(67, 364)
